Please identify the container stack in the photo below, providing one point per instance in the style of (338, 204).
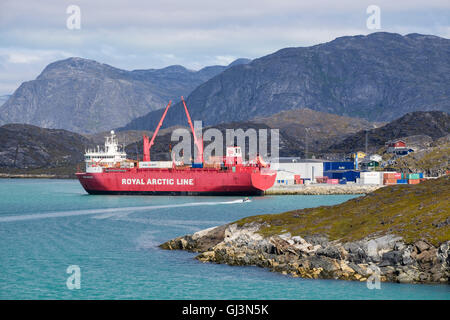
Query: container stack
(390, 178)
(413, 178)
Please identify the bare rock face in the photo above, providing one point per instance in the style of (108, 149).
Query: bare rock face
(385, 258)
(378, 77)
(86, 96)
(28, 147)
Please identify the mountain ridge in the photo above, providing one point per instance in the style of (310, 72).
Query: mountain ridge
(377, 77)
(87, 96)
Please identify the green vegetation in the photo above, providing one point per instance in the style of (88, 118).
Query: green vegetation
(411, 211)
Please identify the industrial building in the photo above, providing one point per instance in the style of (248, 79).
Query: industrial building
(289, 167)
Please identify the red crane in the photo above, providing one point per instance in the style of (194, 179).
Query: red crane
(198, 142)
(148, 145)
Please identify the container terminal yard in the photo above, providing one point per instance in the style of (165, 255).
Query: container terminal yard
(358, 173)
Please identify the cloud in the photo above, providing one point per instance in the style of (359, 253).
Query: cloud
(152, 34)
(19, 64)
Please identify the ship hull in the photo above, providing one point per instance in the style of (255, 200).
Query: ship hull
(242, 181)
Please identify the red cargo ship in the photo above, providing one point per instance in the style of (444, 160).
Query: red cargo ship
(108, 171)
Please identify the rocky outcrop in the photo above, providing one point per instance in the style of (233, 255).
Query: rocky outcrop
(383, 258)
(433, 124)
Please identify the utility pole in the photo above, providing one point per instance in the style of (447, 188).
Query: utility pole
(367, 134)
(306, 142)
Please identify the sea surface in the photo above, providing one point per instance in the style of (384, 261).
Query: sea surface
(48, 225)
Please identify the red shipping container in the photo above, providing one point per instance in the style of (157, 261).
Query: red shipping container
(321, 179)
(333, 181)
(392, 175)
(297, 177)
(413, 181)
(389, 181)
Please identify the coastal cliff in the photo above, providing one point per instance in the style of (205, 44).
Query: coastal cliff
(396, 234)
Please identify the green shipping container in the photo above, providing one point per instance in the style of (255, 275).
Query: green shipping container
(413, 176)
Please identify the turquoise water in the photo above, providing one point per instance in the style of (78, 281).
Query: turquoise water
(48, 225)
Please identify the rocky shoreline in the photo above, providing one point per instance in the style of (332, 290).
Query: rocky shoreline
(383, 258)
(322, 189)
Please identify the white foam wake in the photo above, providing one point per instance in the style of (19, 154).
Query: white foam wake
(111, 211)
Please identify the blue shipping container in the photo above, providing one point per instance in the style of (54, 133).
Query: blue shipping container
(402, 181)
(350, 175)
(420, 175)
(338, 165)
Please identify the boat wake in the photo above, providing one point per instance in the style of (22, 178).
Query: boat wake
(109, 212)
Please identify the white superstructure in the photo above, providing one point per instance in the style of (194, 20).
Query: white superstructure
(111, 155)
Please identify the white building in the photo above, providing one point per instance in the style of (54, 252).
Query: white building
(287, 168)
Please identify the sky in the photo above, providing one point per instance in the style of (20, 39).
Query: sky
(148, 34)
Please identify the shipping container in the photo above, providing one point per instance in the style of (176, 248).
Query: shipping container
(389, 181)
(349, 175)
(389, 175)
(402, 181)
(155, 164)
(413, 176)
(321, 179)
(413, 181)
(333, 181)
(371, 177)
(343, 181)
(420, 175)
(338, 165)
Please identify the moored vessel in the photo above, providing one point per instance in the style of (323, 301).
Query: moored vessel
(109, 171)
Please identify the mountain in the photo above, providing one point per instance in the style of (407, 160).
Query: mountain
(434, 124)
(86, 96)
(315, 128)
(378, 77)
(4, 98)
(25, 146)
